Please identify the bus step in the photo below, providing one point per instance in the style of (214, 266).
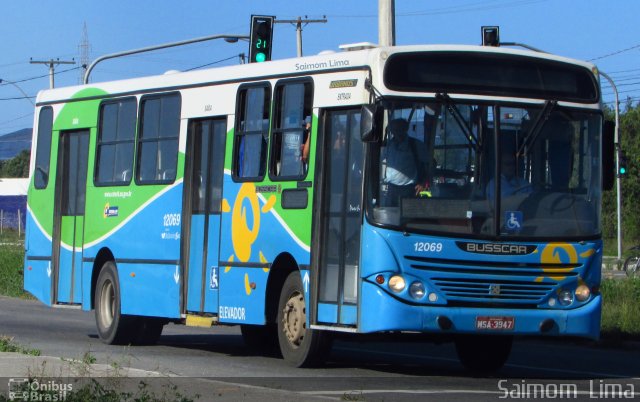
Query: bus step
(69, 306)
(200, 321)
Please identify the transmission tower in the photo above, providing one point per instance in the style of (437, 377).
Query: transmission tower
(84, 49)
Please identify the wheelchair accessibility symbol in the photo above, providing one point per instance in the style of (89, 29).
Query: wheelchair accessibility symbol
(513, 221)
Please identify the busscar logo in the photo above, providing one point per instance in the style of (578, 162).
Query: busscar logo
(496, 248)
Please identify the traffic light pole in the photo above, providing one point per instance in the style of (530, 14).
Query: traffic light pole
(616, 141)
(157, 47)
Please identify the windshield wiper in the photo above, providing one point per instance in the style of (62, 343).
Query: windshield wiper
(536, 129)
(457, 116)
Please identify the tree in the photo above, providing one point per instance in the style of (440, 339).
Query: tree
(17, 166)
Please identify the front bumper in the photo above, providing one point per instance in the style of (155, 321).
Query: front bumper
(382, 312)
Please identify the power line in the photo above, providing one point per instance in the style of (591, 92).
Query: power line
(40, 76)
(615, 53)
(478, 6)
(624, 71)
(18, 97)
(17, 118)
(215, 62)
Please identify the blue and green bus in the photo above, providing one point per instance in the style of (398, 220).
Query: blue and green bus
(261, 195)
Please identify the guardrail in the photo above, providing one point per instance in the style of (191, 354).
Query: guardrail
(612, 263)
(12, 220)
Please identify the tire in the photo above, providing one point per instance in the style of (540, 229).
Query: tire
(113, 328)
(631, 265)
(260, 338)
(483, 354)
(299, 345)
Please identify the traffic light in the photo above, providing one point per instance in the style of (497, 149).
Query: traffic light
(261, 35)
(622, 165)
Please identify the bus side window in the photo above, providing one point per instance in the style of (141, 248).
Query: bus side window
(43, 150)
(116, 136)
(252, 128)
(291, 130)
(158, 139)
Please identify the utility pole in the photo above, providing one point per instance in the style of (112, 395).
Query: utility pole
(298, 23)
(52, 65)
(386, 22)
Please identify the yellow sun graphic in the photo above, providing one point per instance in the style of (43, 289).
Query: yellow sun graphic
(242, 236)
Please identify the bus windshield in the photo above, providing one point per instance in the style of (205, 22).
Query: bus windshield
(434, 170)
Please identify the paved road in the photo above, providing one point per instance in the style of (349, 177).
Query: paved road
(215, 364)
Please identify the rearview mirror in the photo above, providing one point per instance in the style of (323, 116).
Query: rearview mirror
(368, 123)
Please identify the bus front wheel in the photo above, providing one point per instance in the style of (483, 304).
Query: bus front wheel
(113, 327)
(300, 346)
(483, 353)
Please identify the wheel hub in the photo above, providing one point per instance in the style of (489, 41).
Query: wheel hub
(107, 304)
(294, 319)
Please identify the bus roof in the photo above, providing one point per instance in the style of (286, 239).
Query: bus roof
(364, 59)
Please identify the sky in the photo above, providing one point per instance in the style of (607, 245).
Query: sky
(604, 32)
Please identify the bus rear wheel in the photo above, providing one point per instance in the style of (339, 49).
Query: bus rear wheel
(300, 346)
(113, 327)
(483, 353)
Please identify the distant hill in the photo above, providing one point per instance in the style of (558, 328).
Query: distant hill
(13, 143)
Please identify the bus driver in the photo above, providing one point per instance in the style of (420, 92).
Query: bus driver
(403, 173)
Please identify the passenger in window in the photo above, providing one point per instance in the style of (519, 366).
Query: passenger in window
(306, 140)
(510, 183)
(404, 175)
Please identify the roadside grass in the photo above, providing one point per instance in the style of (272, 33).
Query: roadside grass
(620, 309)
(8, 345)
(11, 265)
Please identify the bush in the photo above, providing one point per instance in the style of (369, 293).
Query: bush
(621, 308)
(11, 269)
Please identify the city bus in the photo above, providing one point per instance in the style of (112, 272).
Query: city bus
(259, 195)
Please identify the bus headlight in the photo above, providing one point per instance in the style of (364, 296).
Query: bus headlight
(417, 290)
(397, 283)
(583, 292)
(565, 297)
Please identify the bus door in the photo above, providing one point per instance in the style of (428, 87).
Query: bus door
(340, 218)
(204, 172)
(71, 186)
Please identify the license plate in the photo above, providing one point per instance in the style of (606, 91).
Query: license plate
(495, 323)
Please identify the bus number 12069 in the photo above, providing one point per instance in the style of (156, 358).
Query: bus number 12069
(171, 220)
(427, 247)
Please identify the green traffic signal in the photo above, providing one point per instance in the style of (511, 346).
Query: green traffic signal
(260, 40)
(622, 164)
